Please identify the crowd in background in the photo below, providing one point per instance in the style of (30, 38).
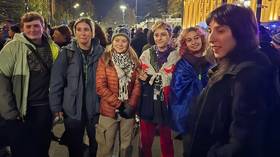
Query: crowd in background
(216, 90)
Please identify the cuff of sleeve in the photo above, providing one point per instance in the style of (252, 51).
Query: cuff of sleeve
(12, 115)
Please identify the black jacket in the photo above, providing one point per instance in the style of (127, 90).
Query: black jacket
(232, 115)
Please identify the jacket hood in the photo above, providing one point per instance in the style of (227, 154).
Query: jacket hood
(95, 44)
(21, 38)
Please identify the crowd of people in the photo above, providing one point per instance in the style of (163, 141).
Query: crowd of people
(216, 90)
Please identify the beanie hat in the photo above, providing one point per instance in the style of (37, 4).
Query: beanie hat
(276, 38)
(123, 31)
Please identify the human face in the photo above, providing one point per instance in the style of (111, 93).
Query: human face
(58, 37)
(193, 42)
(162, 38)
(11, 33)
(83, 33)
(120, 44)
(33, 30)
(220, 39)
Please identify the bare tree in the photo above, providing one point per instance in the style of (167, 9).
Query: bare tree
(11, 9)
(175, 8)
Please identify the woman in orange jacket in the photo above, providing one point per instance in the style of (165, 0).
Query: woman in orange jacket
(119, 89)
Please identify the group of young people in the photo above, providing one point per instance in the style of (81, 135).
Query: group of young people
(216, 90)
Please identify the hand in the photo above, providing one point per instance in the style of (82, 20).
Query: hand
(143, 76)
(127, 112)
(58, 118)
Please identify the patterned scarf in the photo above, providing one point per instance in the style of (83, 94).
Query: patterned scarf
(124, 66)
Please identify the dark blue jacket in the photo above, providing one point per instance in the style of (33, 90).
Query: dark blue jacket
(67, 86)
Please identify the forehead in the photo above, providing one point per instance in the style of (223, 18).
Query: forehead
(120, 37)
(34, 22)
(82, 25)
(160, 30)
(57, 32)
(191, 34)
(213, 24)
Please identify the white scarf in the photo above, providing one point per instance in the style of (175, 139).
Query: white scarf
(124, 67)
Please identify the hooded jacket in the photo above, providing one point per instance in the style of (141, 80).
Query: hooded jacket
(15, 74)
(68, 92)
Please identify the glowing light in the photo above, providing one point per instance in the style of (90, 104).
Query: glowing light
(82, 13)
(76, 5)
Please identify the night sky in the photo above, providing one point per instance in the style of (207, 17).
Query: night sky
(103, 6)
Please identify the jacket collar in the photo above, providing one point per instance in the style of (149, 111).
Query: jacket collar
(96, 48)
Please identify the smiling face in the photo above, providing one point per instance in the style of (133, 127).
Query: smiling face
(120, 44)
(33, 30)
(220, 39)
(193, 42)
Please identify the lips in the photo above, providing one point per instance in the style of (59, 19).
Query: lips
(194, 47)
(215, 48)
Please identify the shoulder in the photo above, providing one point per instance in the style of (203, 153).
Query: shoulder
(173, 57)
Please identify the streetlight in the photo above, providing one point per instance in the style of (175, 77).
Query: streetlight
(123, 8)
(82, 13)
(76, 5)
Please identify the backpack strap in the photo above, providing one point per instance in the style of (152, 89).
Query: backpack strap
(40, 59)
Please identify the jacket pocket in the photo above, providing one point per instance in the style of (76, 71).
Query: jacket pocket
(100, 135)
(69, 103)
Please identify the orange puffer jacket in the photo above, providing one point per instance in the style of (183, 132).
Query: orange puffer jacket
(107, 87)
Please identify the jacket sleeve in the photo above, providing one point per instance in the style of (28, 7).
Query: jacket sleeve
(58, 82)
(102, 86)
(136, 92)
(8, 106)
(248, 115)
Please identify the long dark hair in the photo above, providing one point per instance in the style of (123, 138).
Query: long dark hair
(241, 21)
(244, 28)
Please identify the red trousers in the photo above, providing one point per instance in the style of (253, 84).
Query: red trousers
(148, 131)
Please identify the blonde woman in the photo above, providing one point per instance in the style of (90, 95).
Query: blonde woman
(119, 89)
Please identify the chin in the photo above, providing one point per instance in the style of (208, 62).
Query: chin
(34, 37)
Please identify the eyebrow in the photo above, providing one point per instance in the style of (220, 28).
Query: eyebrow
(219, 26)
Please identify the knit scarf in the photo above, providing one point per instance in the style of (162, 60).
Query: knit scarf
(124, 67)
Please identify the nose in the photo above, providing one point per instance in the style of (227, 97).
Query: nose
(211, 37)
(193, 42)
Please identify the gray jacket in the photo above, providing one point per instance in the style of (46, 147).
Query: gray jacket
(68, 92)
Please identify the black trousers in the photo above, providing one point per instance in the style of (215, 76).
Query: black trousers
(38, 125)
(74, 130)
(31, 137)
(12, 134)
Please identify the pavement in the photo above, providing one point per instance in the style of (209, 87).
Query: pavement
(57, 150)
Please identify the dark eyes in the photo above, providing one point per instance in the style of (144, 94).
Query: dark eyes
(83, 29)
(219, 30)
(161, 34)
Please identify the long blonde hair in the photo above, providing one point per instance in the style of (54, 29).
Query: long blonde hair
(132, 55)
